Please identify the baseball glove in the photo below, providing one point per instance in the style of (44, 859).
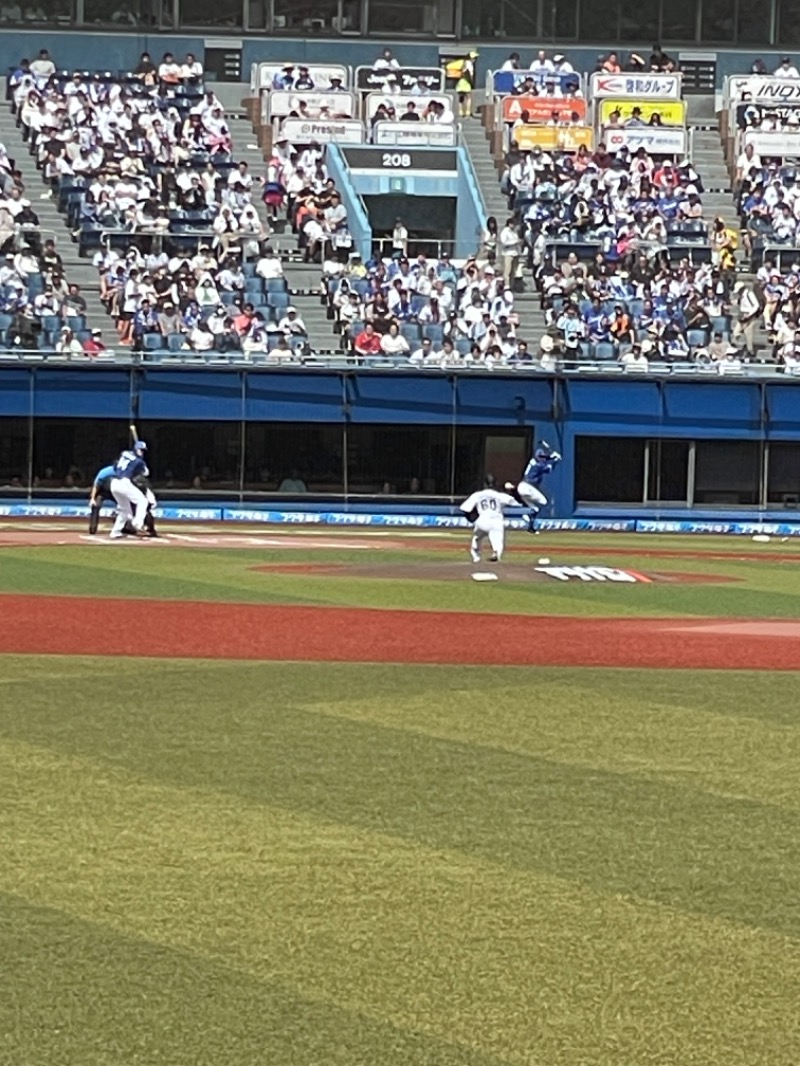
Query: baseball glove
(94, 518)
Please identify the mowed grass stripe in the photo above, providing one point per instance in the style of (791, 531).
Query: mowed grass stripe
(354, 932)
(254, 734)
(605, 720)
(762, 588)
(92, 996)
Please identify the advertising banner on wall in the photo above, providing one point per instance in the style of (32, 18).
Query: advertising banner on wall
(319, 73)
(671, 112)
(658, 86)
(431, 134)
(335, 131)
(279, 104)
(551, 138)
(656, 140)
(506, 81)
(400, 102)
(763, 90)
(774, 116)
(541, 109)
(368, 80)
(777, 143)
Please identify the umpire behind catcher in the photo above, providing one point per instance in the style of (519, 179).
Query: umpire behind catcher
(101, 490)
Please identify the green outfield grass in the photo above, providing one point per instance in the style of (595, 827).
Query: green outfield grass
(284, 864)
(766, 587)
(242, 864)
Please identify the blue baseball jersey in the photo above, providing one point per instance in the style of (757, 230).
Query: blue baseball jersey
(129, 466)
(536, 469)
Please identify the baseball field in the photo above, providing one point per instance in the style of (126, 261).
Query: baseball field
(321, 798)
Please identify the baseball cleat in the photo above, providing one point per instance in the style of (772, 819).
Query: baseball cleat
(494, 558)
(475, 557)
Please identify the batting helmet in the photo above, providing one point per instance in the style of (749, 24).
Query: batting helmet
(140, 446)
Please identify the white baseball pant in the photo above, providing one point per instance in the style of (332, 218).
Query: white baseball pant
(131, 505)
(531, 495)
(493, 528)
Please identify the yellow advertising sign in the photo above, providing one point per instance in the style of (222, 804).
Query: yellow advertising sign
(552, 138)
(671, 112)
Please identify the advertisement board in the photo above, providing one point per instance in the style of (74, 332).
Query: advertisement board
(671, 112)
(335, 131)
(279, 104)
(658, 86)
(762, 90)
(552, 138)
(368, 80)
(400, 102)
(777, 143)
(430, 134)
(657, 140)
(320, 73)
(506, 81)
(751, 115)
(541, 109)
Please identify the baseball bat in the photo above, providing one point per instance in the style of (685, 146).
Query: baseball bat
(134, 434)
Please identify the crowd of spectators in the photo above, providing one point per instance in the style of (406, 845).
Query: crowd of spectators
(426, 312)
(144, 163)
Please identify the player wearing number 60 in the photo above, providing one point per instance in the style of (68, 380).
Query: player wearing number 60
(485, 510)
(131, 501)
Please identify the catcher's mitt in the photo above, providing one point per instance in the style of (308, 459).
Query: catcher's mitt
(94, 518)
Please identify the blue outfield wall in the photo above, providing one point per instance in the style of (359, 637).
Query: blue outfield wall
(559, 409)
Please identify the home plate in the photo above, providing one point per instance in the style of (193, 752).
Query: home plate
(484, 577)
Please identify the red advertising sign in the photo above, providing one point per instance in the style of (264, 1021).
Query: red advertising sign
(542, 108)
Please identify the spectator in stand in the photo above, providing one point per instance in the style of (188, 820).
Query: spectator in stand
(68, 344)
(368, 342)
(93, 345)
(386, 61)
(786, 69)
(43, 66)
(660, 61)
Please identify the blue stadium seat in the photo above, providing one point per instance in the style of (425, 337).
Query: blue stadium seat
(697, 338)
(434, 331)
(410, 330)
(604, 352)
(175, 342)
(272, 285)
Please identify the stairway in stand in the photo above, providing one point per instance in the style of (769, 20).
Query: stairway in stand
(53, 224)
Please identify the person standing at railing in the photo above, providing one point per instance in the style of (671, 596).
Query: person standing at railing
(510, 250)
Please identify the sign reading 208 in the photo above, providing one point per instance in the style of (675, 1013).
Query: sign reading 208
(396, 159)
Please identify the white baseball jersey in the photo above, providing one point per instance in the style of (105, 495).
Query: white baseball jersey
(490, 504)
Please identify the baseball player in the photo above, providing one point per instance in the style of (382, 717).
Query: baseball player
(143, 484)
(131, 501)
(528, 491)
(101, 490)
(485, 510)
